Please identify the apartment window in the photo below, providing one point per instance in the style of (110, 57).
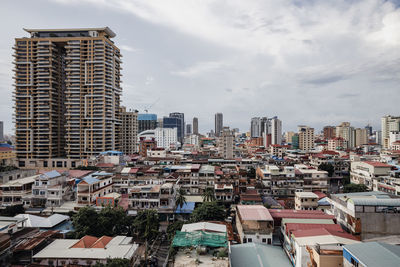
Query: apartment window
(269, 241)
(264, 240)
(73, 164)
(45, 164)
(249, 240)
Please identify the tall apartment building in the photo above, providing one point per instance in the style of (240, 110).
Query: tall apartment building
(361, 137)
(389, 124)
(329, 132)
(147, 122)
(1, 131)
(345, 131)
(188, 129)
(288, 137)
(195, 125)
(276, 131)
(181, 127)
(226, 143)
(306, 137)
(258, 127)
(129, 130)
(174, 122)
(219, 123)
(67, 95)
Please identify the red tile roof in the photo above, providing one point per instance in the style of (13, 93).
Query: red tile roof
(308, 214)
(291, 227)
(85, 242)
(378, 164)
(6, 149)
(92, 242)
(323, 231)
(104, 165)
(319, 194)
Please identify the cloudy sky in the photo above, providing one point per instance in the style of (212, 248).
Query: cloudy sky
(308, 62)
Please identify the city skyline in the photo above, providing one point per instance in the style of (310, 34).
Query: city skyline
(312, 74)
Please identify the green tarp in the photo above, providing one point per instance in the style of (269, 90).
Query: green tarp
(199, 238)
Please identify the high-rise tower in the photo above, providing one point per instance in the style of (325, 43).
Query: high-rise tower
(219, 122)
(67, 95)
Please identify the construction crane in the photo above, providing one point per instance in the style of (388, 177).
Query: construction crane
(149, 106)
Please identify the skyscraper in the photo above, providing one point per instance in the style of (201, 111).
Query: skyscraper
(174, 122)
(195, 125)
(1, 131)
(129, 130)
(147, 122)
(255, 127)
(67, 95)
(181, 130)
(276, 131)
(188, 129)
(219, 122)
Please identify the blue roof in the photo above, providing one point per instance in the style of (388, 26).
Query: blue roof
(90, 180)
(51, 174)
(323, 201)
(111, 152)
(188, 207)
(147, 117)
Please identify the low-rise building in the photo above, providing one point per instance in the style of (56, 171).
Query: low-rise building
(50, 189)
(371, 254)
(367, 214)
(254, 224)
(17, 192)
(85, 251)
(92, 186)
(306, 201)
(364, 172)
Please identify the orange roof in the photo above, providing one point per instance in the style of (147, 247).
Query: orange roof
(92, 242)
(85, 242)
(102, 242)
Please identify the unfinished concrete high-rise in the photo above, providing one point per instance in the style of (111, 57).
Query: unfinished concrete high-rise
(67, 95)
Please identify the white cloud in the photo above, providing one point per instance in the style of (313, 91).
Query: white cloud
(200, 68)
(127, 48)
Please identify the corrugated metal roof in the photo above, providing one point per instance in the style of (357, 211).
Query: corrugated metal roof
(51, 174)
(258, 255)
(375, 254)
(204, 226)
(254, 213)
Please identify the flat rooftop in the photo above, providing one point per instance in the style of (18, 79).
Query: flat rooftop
(44, 32)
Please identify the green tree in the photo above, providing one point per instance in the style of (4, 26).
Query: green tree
(86, 222)
(146, 224)
(114, 221)
(327, 167)
(353, 188)
(180, 198)
(208, 195)
(172, 228)
(251, 173)
(114, 263)
(208, 211)
(11, 211)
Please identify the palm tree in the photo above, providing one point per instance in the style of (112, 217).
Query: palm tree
(208, 195)
(180, 199)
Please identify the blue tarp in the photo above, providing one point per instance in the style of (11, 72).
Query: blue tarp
(188, 207)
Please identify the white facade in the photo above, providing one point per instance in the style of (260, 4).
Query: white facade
(393, 137)
(166, 137)
(389, 124)
(276, 131)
